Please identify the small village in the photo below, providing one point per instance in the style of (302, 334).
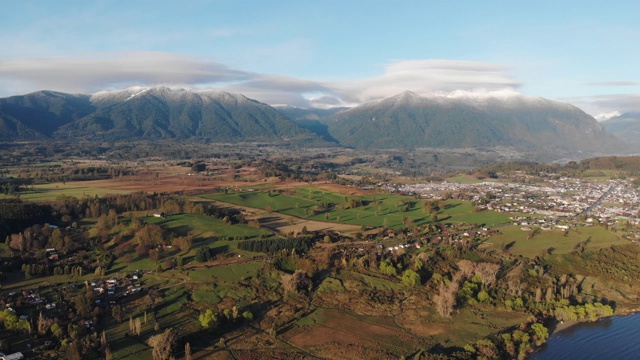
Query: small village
(554, 203)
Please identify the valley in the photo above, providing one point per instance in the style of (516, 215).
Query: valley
(272, 251)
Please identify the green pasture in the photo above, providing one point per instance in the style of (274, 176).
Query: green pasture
(463, 179)
(458, 211)
(227, 273)
(204, 226)
(523, 245)
(379, 209)
(604, 174)
(45, 192)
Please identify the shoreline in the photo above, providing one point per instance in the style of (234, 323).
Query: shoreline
(563, 326)
(559, 327)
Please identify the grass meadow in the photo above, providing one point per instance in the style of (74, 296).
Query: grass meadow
(523, 245)
(378, 210)
(45, 192)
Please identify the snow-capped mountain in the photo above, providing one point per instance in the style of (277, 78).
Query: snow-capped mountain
(407, 120)
(145, 113)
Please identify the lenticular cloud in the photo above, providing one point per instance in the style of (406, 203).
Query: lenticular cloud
(106, 71)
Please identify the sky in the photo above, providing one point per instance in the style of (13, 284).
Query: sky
(329, 53)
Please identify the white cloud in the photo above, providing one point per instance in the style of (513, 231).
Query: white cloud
(431, 77)
(603, 107)
(607, 116)
(96, 72)
(115, 70)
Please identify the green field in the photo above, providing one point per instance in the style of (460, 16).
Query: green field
(205, 226)
(462, 212)
(599, 238)
(379, 209)
(52, 191)
(463, 179)
(300, 202)
(227, 273)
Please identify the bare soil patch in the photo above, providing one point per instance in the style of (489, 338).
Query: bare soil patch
(342, 332)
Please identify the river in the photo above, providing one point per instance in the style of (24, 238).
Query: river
(617, 338)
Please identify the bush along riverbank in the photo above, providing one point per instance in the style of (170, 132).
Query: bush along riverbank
(519, 342)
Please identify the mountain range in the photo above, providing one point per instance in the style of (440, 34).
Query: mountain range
(409, 120)
(144, 113)
(406, 121)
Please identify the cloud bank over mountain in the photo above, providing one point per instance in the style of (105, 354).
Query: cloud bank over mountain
(89, 73)
(117, 70)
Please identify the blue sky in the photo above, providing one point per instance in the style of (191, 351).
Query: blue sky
(325, 53)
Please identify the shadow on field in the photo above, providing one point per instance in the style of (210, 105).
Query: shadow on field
(451, 206)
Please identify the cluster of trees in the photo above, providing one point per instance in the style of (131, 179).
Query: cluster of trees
(69, 207)
(588, 311)
(15, 215)
(46, 270)
(210, 319)
(38, 237)
(204, 254)
(11, 322)
(300, 244)
(517, 344)
(234, 216)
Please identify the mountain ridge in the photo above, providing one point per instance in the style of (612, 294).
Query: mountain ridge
(626, 127)
(409, 120)
(155, 113)
(404, 121)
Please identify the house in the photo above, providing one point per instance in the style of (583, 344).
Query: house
(14, 356)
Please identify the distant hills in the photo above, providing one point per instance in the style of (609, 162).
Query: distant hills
(404, 121)
(626, 127)
(409, 120)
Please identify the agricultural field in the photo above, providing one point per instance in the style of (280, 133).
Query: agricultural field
(456, 211)
(43, 192)
(283, 272)
(463, 179)
(377, 210)
(520, 242)
(205, 227)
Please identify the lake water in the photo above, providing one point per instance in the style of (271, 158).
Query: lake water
(611, 338)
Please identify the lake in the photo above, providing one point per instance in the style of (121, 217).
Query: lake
(611, 338)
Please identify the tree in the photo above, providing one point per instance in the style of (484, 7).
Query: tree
(296, 282)
(103, 341)
(162, 344)
(247, 315)
(410, 278)
(42, 324)
(387, 268)
(483, 296)
(207, 319)
(445, 299)
(116, 312)
(57, 331)
(187, 351)
(541, 333)
(199, 167)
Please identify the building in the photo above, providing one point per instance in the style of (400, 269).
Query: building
(14, 356)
